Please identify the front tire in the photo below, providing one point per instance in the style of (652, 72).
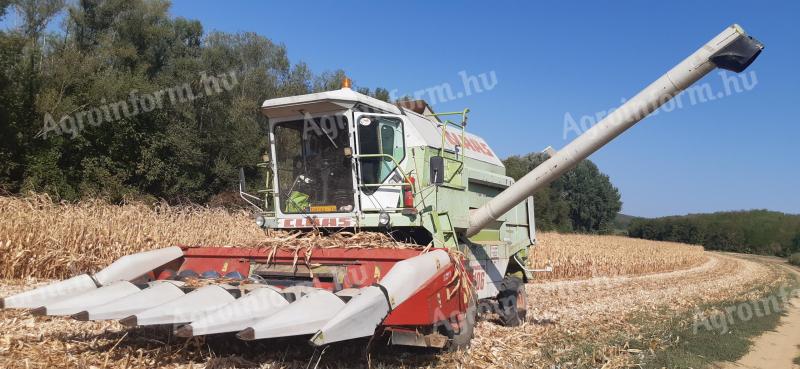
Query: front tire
(512, 302)
(466, 330)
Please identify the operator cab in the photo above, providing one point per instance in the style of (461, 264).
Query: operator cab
(335, 156)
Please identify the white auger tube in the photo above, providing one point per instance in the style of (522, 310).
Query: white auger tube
(126, 268)
(732, 49)
(365, 311)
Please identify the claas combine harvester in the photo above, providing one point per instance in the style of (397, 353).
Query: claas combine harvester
(343, 161)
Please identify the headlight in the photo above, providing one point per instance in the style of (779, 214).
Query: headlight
(383, 219)
(260, 221)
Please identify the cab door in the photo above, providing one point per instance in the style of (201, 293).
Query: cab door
(380, 145)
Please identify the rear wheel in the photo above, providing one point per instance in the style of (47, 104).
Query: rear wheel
(512, 302)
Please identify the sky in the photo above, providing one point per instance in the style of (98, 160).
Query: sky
(547, 64)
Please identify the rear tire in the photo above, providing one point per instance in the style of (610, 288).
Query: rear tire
(512, 302)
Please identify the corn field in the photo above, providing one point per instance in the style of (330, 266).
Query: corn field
(577, 256)
(39, 238)
(43, 239)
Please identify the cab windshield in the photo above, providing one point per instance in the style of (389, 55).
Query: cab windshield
(314, 175)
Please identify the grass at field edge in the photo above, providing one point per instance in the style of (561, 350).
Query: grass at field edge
(665, 340)
(692, 345)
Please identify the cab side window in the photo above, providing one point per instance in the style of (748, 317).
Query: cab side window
(379, 136)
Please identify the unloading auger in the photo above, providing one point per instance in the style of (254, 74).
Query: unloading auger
(343, 161)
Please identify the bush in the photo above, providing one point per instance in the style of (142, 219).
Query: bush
(794, 259)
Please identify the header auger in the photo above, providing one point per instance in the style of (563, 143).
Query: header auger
(340, 161)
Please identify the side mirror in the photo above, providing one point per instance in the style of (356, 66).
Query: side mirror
(437, 170)
(241, 180)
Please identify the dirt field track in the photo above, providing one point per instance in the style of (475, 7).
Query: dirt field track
(562, 315)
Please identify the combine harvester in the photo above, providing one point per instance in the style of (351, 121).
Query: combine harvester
(340, 160)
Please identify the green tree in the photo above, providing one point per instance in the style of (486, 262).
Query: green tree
(795, 245)
(583, 199)
(753, 231)
(205, 126)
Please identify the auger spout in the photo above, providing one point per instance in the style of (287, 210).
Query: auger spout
(732, 50)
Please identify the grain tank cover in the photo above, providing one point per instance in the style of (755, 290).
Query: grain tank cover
(430, 131)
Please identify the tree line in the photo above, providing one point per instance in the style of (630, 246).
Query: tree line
(754, 231)
(120, 100)
(582, 200)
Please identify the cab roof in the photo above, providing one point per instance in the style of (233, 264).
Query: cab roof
(321, 102)
(428, 128)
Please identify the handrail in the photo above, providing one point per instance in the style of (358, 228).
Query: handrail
(445, 123)
(268, 191)
(463, 114)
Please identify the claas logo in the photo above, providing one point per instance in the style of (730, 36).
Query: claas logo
(340, 222)
(470, 144)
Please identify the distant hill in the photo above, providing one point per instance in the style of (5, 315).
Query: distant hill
(751, 231)
(622, 222)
